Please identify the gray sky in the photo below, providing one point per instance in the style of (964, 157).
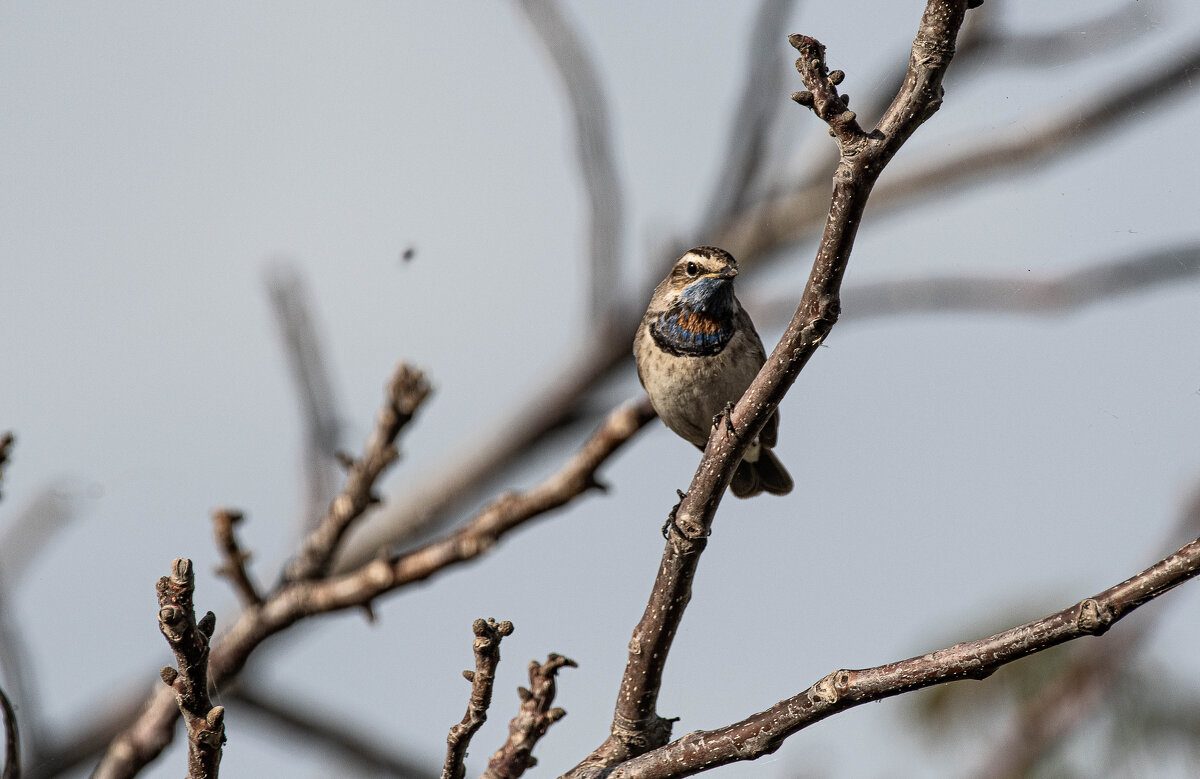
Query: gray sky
(955, 474)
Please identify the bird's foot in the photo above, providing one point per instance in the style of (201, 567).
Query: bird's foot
(726, 418)
(670, 525)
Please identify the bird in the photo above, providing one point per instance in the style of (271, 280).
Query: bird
(697, 351)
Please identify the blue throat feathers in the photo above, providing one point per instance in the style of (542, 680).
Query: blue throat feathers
(701, 323)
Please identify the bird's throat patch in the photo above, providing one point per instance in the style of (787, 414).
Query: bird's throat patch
(683, 331)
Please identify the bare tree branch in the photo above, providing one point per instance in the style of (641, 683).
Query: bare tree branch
(979, 41)
(754, 117)
(1017, 295)
(234, 567)
(575, 477)
(319, 413)
(764, 732)
(636, 726)
(406, 391)
(11, 651)
(188, 638)
(59, 754)
(488, 634)
(301, 721)
(23, 539)
(6, 446)
(14, 659)
(1078, 689)
(428, 508)
(535, 717)
(12, 737)
(1082, 39)
(593, 147)
(151, 731)
(297, 720)
(792, 216)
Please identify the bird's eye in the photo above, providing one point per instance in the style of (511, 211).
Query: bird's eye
(692, 270)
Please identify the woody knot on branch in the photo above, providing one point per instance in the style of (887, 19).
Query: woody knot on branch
(406, 391)
(189, 679)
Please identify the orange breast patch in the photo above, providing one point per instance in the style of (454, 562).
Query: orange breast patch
(697, 322)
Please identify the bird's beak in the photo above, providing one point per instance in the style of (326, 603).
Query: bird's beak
(728, 273)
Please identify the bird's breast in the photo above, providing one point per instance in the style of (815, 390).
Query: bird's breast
(685, 332)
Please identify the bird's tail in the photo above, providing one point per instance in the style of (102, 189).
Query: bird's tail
(766, 474)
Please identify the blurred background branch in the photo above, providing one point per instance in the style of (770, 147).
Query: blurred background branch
(593, 148)
(307, 723)
(761, 231)
(1059, 706)
(320, 416)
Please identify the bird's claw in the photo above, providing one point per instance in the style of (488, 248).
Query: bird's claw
(670, 523)
(726, 417)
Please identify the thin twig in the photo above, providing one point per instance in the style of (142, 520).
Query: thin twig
(593, 149)
(509, 511)
(188, 680)
(12, 740)
(148, 734)
(764, 732)
(754, 117)
(428, 508)
(24, 538)
(636, 725)
(488, 634)
(234, 567)
(11, 651)
(406, 391)
(309, 370)
(6, 446)
(14, 660)
(536, 715)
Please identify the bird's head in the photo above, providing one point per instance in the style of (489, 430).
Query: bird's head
(693, 311)
(702, 279)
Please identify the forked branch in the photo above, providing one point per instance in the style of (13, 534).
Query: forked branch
(149, 733)
(762, 733)
(535, 717)
(488, 634)
(637, 727)
(234, 567)
(406, 392)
